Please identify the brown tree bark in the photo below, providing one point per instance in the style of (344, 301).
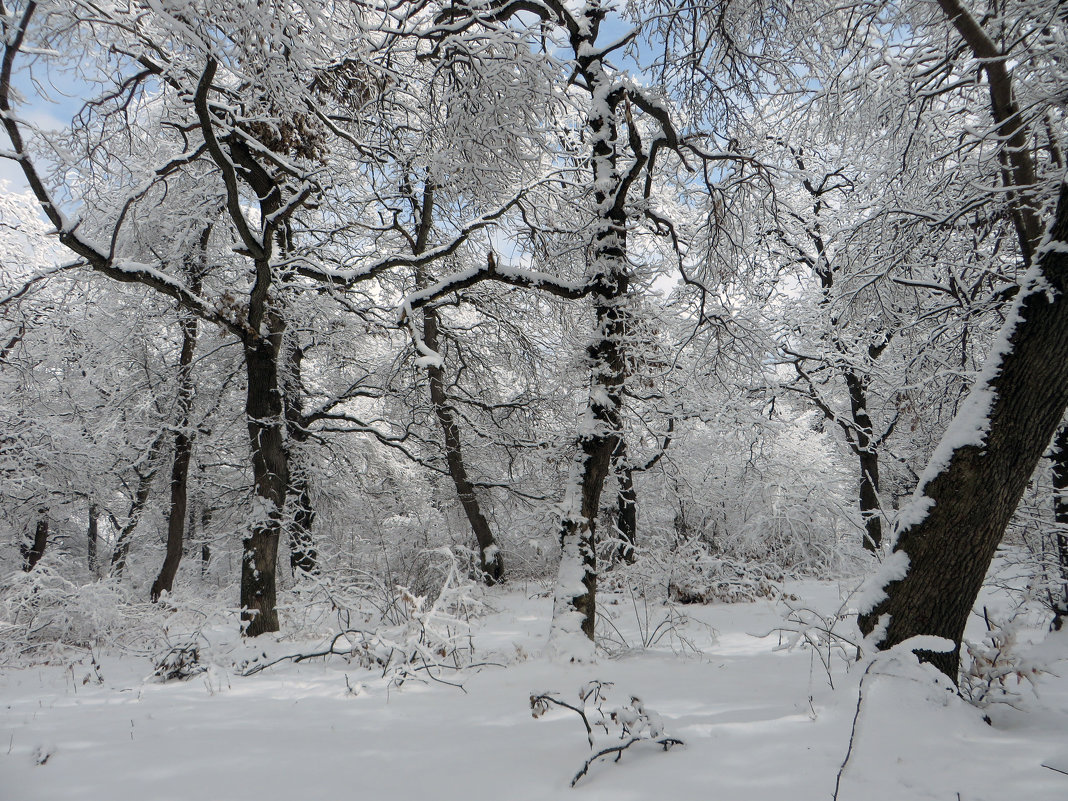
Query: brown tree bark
(959, 515)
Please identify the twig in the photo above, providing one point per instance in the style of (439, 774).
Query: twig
(852, 733)
(545, 698)
(666, 742)
(251, 671)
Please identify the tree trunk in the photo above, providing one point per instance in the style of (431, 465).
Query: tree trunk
(960, 510)
(205, 543)
(303, 557)
(92, 537)
(490, 560)
(1059, 595)
(183, 451)
(870, 508)
(263, 408)
(32, 552)
(626, 506)
(575, 601)
(489, 554)
(137, 508)
(578, 536)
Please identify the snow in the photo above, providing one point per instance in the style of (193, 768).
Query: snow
(971, 424)
(758, 724)
(893, 568)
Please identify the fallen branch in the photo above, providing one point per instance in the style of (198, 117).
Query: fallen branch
(666, 742)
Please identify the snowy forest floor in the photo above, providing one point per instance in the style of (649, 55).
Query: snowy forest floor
(758, 722)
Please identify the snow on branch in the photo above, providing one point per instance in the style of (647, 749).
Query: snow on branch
(513, 276)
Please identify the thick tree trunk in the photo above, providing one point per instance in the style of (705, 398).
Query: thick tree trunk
(600, 430)
(265, 413)
(1059, 594)
(303, 556)
(596, 444)
(92, 537)
(948, 535)
(33, 551)
(868, 456)
(870, 507)
(183, 452)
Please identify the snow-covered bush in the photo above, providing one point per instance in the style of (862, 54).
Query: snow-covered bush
(630, 620)
(832, 636)
(736, 508)
(995, 670)
(408, 636)
(179, 662)
(701, 578)
(41, 613)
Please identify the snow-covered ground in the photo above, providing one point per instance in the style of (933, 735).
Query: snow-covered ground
(757, 723)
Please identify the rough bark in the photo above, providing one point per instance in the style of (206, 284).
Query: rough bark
(33, 551)
(183, 452)
(596, 445)
(265, 415)
(1059, 594)
(959, 514)
(261, 340)
(868, 456)
(601, 426)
